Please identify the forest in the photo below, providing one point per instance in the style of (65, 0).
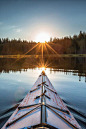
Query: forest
(66, 45)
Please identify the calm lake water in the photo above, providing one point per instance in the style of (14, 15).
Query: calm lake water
(71, 88)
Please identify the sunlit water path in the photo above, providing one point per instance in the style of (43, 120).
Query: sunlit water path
(15, 85)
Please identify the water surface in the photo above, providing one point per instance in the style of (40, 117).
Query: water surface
(15, 85)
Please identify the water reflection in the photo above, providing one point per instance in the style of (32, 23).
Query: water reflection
(72, 65)
(14, 86)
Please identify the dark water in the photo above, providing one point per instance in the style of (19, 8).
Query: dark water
(15, 82)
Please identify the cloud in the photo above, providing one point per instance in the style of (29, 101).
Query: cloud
(18, 30)
(11, 27)
(7, 27)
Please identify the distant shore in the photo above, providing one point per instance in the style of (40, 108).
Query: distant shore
(45, 55)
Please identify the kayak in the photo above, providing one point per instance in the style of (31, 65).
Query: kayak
(42, 108)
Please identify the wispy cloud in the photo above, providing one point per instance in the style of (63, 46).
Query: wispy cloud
(18, 30)
(9, 27)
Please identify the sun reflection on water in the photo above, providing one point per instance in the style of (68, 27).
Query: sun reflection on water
(43, 68)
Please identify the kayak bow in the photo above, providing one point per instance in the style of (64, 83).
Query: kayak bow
(42, 108)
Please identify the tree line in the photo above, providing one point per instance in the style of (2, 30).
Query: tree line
(66, 45)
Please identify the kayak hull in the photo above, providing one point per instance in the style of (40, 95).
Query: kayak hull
(42, 107)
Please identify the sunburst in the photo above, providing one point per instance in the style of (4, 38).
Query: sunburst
(42, 37)
(44, 46)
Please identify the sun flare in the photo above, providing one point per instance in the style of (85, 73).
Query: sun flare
(42, 37)
(42, 68)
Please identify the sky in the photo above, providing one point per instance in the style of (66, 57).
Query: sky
(26, 19)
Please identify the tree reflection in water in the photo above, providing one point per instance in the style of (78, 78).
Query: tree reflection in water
(76, 66)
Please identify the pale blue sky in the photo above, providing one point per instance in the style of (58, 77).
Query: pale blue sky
(25, 19)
